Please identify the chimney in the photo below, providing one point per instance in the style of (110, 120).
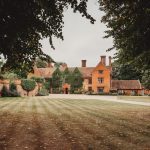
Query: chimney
(83, 63)
(103, 60)
(109, 60)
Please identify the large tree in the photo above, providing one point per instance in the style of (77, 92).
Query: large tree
(23, 23)
(128, 22)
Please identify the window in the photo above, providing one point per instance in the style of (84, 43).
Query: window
(101, 80)
(100, 89)
(100, 71)
(90, 80)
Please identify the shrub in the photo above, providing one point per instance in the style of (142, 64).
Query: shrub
(43, 92)
(4, 92)
(12, 87)
(38, 79)
(28, 85)
(13, 90)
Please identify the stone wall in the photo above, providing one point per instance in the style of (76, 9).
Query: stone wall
(20, 90)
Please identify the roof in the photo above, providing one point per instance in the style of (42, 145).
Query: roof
(125, 85)
(85, 71)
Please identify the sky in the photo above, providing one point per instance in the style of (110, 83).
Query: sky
(82, 40)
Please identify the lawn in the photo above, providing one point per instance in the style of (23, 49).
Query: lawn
(40, 123)
(145, 99)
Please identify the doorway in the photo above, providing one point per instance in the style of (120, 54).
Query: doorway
(66, 90)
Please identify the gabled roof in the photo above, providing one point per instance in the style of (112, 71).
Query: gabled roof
(101, 64)
(125, 85)
(85, 71)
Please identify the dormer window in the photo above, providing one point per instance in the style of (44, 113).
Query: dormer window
(100, 71)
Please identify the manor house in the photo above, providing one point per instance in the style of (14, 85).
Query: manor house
(97, 79)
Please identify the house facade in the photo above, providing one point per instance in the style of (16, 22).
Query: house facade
(97, 79)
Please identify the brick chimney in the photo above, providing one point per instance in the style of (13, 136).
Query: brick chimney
(109, 60)
(103, 60)
(83, 63)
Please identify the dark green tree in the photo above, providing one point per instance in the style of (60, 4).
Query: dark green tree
(28, 85)
(128, 23)
(23, 23)
(146, 79)
(76, 80)
(57, 80)
(66, 76)
(41, 63)
(125, 72)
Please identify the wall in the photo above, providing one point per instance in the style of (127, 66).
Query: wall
(20, 90)
(105, 75)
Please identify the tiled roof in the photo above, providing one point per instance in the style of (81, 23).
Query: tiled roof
(125, 84)
(85, 71)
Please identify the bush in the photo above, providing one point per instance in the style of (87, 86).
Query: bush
(13, 90)
(43, 92)
(28, 85)
(38, 79)
(4, 92)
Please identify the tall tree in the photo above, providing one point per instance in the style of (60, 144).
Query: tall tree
(23, 23)
(57, 80)
(76, 80)
(128, 22)
(125, 72)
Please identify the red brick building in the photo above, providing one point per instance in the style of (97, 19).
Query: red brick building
(96, 79)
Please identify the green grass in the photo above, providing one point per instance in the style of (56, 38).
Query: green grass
(43, 123)
(135, 98)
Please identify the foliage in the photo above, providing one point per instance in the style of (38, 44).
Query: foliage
(48, 84)
(128, 22)
(40, 63)
(12, 87)
(13, 90)
(9, 75)
(43, 92)
(146, 79)
(66, 76)
(4, 92)
(76, 80)
(57, 79)
(24, 23)
(28, 84)
(38, 79)
(125, 71)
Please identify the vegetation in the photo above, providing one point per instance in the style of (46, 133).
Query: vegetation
(40, 63)
(76, 81)
(57, 81)
(28, 85)
(4, 92)
(130, 34)
(43, 92)
(21, 30)
(38, 79)
(125, 72)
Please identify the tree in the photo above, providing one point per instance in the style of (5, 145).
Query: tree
(76, 80)
(40, 63)
(57, 80)
(24, 23)
(128, 22)
(125, 71)
(28, 85)
(66, 75)
(146, 79)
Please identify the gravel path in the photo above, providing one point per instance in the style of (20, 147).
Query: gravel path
(96, 97)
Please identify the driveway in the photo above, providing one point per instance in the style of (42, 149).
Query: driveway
(97, 97)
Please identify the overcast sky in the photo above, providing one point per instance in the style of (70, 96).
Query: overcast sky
(82, 40)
